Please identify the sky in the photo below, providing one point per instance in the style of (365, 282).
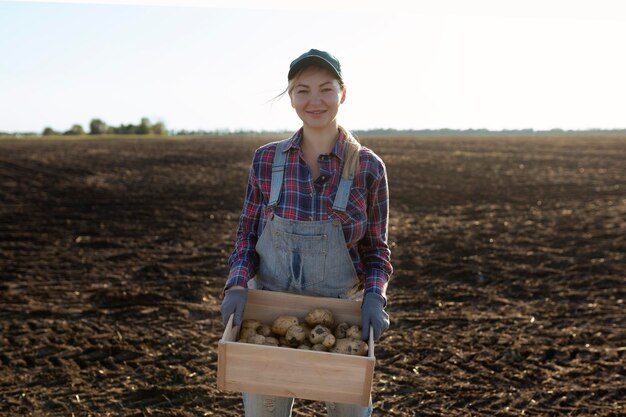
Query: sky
(207, 65)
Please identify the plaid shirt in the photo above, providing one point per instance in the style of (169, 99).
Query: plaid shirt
(364, 222)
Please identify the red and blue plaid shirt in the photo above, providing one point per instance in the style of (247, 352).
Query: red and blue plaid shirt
(364, 222)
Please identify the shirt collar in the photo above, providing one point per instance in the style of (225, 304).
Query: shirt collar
(296, 138)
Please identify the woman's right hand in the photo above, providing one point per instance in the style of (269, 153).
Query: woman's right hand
(234, 302)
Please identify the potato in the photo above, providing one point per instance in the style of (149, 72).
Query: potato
(283, 323)
(296, 335)
(329, 341)
(246, 333)
(250, 324)
(354, 332)
(257, 339)
(340, 330)
(318, 334)
(305, 326)
(349, 346)
(271, 341)
(265, 330)
(321, 316)
(314, 332)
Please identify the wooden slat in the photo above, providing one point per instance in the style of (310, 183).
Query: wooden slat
(222, 356)
(370, 343)
(265, 306)
(367, 382)
(294, 373)
(230, 332)
(230, 335)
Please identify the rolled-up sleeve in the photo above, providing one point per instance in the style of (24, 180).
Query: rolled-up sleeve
(373, 247)
(244, 260)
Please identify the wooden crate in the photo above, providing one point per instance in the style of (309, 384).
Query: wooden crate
(287, 372)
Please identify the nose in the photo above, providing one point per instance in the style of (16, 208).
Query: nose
(316, 98)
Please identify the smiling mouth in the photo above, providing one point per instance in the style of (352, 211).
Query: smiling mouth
(317, 112)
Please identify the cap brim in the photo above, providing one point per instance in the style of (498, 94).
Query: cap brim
(311, 60)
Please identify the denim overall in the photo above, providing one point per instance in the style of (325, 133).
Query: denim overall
(303, 257)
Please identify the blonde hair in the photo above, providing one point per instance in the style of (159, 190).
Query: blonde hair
(351, 159)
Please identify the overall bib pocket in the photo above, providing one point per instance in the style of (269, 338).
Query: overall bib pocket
(299, 259)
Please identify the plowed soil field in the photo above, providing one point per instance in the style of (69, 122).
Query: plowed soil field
(508, 298)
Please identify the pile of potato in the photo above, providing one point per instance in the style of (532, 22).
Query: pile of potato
(316, 332)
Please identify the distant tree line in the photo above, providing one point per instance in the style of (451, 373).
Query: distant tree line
(224, 132)
(98, 127)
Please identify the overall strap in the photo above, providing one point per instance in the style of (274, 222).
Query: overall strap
(278, 170)
(343, 194)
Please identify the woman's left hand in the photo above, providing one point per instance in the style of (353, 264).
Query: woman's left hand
(373, 314)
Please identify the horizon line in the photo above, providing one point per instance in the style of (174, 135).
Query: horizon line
(225, 132)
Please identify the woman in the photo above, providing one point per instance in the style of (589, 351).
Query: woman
(315, 217)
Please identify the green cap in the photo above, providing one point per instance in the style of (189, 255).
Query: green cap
(315, 56)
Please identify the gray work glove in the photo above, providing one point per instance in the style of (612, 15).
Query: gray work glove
(234, 302)
(373, 314)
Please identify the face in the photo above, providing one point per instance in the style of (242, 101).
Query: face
(316, 97)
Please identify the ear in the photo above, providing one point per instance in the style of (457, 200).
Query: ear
(343, 95)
